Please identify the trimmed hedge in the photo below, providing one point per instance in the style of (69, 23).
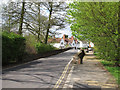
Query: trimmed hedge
(42, 48)
(13, 47)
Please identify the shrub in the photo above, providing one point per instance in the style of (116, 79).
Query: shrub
(13, 47)
(42, 48)
(31, 41)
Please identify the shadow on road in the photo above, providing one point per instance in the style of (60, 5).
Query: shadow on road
(80, 86)
(43, 72)
(37, 72)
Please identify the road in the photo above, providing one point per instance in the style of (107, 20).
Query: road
(41, 73)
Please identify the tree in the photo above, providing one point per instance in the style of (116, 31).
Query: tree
(22, 17)
(97, 22)
(54, 9)
(10, 16)
(35, 22)
(29, 16)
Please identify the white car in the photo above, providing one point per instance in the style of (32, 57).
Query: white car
(89, 49)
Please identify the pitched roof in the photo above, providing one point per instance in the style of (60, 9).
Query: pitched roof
(57, 40)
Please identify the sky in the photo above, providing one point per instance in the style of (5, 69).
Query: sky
(66, 30)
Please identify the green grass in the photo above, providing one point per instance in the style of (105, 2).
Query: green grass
(95, 53)
(115, 71)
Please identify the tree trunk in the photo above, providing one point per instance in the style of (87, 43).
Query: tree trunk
(39, 22)
(22, 17)
(48, 27)
(9, 25)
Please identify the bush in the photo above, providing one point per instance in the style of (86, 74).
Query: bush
(13, 47)
(31, 41)
(42, 48)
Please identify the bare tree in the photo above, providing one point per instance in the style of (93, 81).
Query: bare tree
(55, 17)
(35, 22)
(22, 17)
(10, 16)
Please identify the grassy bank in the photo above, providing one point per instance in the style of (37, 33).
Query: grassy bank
(115, 71)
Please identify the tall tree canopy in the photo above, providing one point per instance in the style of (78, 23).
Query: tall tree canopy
(97, 22)
(55, 18)
(35, 21)
(30, 17)
(10, 16)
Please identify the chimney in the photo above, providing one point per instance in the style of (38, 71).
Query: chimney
(64, 37)
(72, 37)
(53, 36)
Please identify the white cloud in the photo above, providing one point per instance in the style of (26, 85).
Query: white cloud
(4, 2)
(66, 31)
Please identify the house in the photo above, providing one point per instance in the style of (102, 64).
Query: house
(69, 42)
(63, 42)
(91, 44)
(54, 40)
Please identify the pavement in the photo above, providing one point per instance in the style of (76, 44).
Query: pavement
(40, 73)
(90, 75)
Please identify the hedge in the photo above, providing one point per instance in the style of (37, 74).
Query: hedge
(13, 47)
(42, 48)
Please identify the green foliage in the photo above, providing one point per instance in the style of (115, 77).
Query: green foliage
(34, 47)
(66, 36)
(97, 22)
(108, 63)
(10, 16)
(115, 71)
(42, 48)
(95, 53)
(13, 47)
(31, 41)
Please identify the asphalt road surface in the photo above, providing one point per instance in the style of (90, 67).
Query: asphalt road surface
(41, 73)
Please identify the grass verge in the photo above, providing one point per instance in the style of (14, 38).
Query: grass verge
(115, 71)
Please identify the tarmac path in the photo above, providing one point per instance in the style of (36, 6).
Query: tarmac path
(90, 75)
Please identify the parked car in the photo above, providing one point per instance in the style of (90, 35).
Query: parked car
(89, 49)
